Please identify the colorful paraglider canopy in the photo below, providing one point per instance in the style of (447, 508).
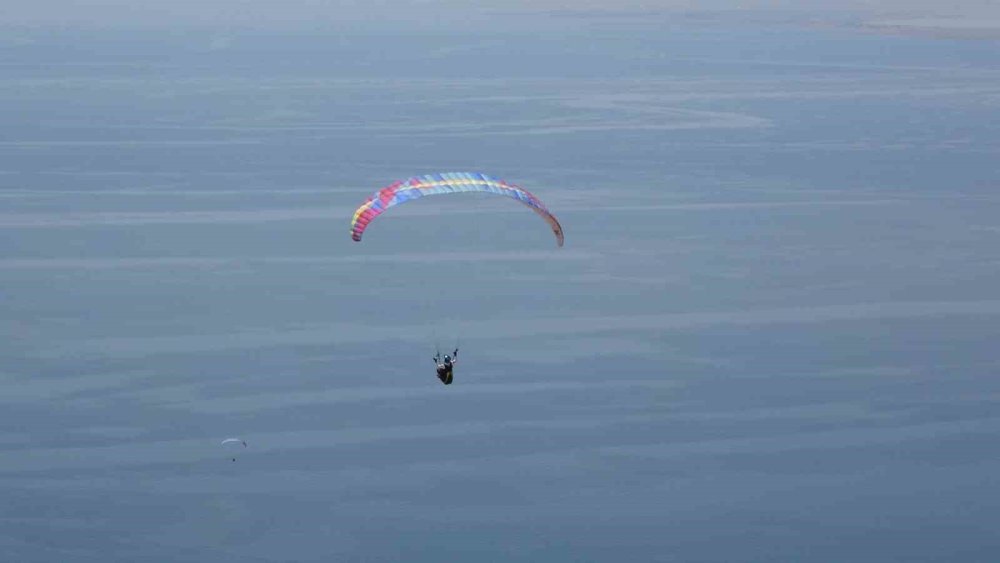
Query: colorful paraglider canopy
(445, 183)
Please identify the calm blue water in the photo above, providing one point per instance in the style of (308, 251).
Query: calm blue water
(770, 335)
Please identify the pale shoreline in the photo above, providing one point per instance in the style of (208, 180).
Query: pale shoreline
(956, 27)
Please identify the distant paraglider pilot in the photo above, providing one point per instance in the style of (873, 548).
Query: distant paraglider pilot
(232, 445)
(446, 366)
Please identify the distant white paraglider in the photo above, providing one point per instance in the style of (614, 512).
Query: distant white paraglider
(230, 443)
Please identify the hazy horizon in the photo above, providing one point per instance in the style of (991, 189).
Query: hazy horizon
(969, 18)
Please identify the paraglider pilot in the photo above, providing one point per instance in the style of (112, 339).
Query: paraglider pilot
(445, 367)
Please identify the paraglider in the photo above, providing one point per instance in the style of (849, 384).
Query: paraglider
(445, 183)
(232, 444)
(445, 367)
